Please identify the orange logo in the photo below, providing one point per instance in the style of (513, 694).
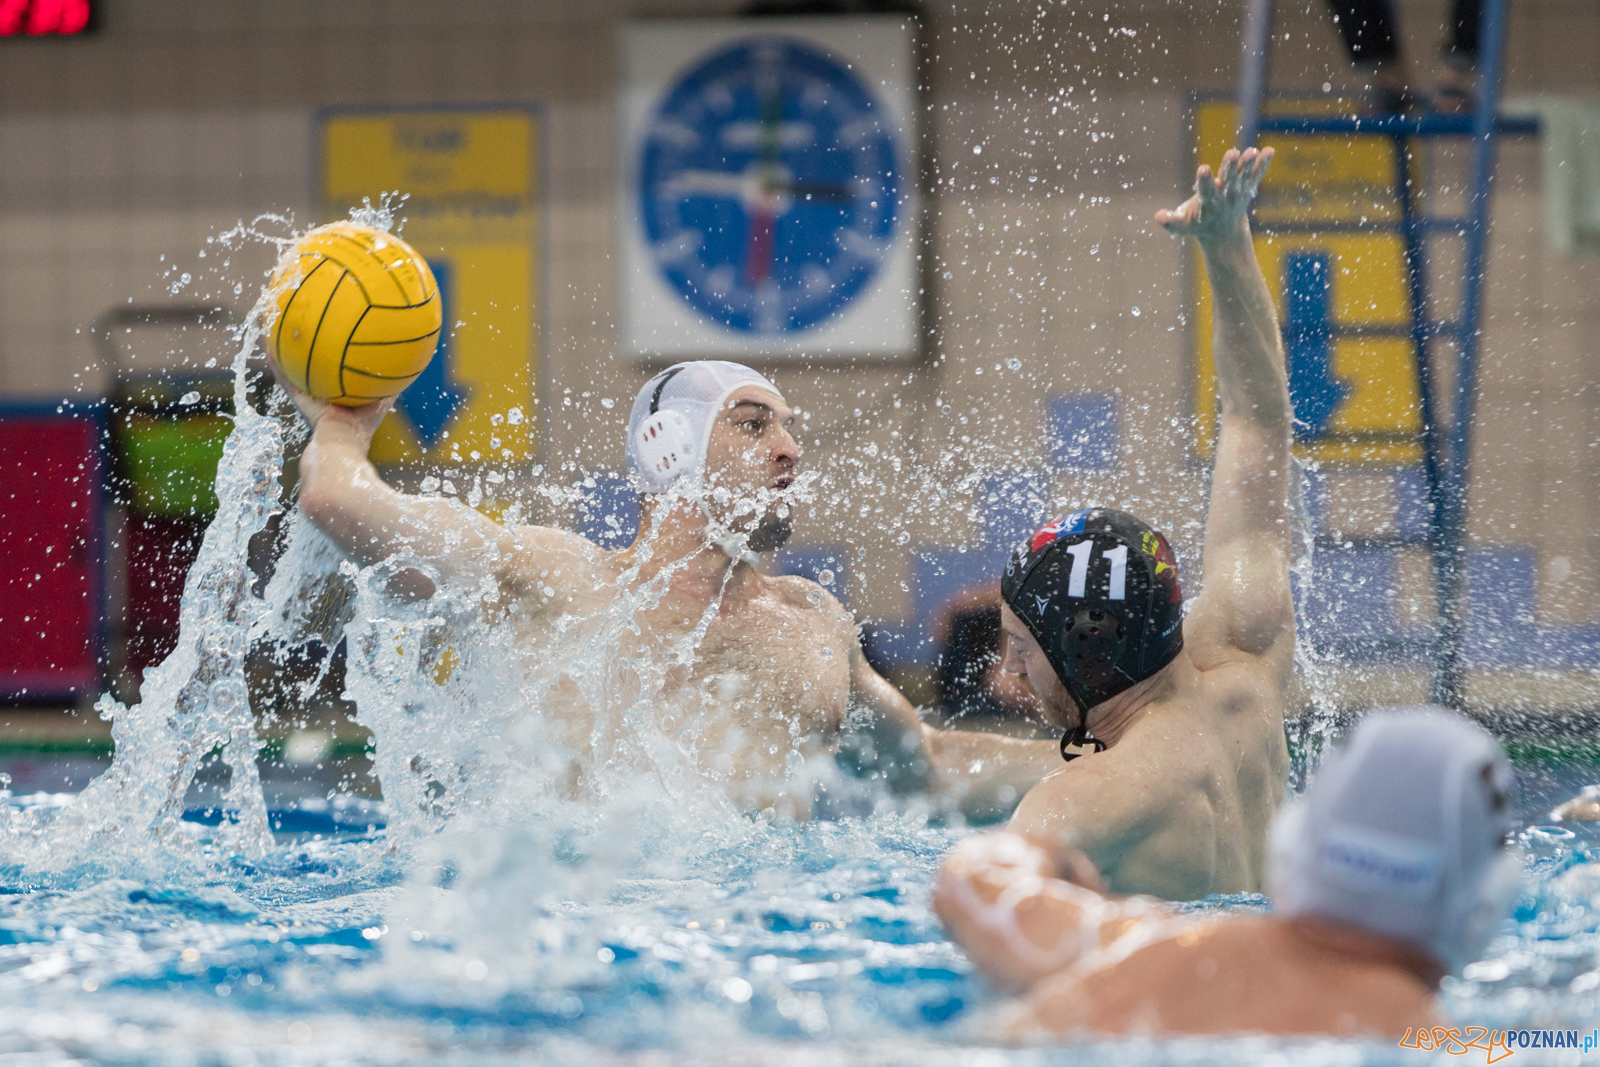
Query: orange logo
(1494, 1044)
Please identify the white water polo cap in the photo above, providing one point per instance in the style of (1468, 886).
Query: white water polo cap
(670, 427)
(1403, 834)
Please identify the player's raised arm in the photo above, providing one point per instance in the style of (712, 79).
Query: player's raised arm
(1244, 605)
(343, 494)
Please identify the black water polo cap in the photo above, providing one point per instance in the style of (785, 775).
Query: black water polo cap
(1099, 591)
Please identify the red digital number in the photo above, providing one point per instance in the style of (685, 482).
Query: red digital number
(40, 18)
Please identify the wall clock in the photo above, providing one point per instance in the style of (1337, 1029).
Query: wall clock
(769, 189)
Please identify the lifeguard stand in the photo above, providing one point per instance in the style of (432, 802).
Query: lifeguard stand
(1446, 444)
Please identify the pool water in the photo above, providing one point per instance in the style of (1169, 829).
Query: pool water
(191, 903)
(751, 941)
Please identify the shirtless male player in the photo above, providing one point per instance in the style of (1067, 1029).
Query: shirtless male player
(756, 672)
(1186, 709)
(1390, 873)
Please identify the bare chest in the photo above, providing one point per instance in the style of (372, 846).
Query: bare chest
(766, 665)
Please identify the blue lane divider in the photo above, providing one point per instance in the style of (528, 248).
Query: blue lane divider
(356, 820)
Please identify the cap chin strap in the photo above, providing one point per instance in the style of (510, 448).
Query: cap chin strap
(1077, 737)
(734, 545)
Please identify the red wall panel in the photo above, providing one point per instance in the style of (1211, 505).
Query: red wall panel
(51, 554)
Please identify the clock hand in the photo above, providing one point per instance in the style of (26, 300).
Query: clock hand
(764, 208)
(820, 191)
(720, 183)
(742, 187)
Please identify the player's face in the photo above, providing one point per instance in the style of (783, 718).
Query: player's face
(753, 454)
(1021, 655)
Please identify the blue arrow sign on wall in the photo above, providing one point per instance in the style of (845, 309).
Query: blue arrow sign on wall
(1308, 342)
(431, 402)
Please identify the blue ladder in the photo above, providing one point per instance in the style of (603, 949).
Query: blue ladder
(1446, 450)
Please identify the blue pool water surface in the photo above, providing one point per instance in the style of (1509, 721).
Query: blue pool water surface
(774, 943)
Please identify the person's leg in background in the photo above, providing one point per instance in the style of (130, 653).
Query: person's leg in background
(1454, 92)
(1368, 29)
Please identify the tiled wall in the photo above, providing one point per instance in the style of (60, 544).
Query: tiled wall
(184, 116)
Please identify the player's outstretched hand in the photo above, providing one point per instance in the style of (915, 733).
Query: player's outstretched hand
(1220, 205)
(362, 420)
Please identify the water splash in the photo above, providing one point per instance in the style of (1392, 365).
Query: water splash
(197, 700)
(1312, 732)
(598, 880)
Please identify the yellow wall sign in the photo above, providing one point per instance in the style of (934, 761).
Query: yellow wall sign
(474, 210)
(1328, 241)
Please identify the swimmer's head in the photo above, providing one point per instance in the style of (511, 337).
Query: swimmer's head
(720, 433)
(1097, 593)
(1403, 834)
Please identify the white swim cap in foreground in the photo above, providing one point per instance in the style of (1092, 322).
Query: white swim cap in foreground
(672, 417)
(1402, 834)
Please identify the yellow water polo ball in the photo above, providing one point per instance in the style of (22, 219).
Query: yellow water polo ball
(359, 314)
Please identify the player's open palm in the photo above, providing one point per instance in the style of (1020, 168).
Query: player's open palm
(1221, 202)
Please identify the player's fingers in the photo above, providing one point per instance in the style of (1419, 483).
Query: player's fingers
(1230, 168)
(1179, 218)
(1262, 163)
(1253, 171)
(1241, 176)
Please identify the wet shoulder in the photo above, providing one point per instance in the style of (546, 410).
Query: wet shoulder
(806, 597)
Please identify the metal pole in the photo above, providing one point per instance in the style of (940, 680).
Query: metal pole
(1434, 459)
(1452, 511)
(1253, 69)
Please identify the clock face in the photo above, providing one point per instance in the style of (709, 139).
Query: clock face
(768, 185)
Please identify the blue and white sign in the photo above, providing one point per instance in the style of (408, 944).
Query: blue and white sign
(768, 199)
